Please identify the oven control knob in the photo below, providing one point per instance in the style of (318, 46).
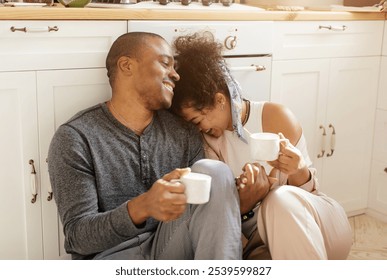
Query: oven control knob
(230, 42)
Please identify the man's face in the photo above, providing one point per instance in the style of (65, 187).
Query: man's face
(155, 75)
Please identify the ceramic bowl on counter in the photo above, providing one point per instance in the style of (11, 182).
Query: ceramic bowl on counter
(74, 3)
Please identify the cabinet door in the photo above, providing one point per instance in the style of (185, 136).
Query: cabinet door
(61, 94)
(382, 95)
(378, 183)
(302, 86)
(20, 219)
(351, 110)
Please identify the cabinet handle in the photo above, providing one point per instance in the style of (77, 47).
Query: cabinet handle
(35, 29)
(49, 197)
(34, 191)
(321, 154)
(252, 67)
(333, 141)
(333, 28)
(385, 169)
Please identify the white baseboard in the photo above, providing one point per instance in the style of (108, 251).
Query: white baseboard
(376, 214)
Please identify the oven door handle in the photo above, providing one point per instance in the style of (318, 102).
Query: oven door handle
(252, 67)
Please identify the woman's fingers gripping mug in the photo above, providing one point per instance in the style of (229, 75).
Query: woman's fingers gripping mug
(265, 146)
(197, 187)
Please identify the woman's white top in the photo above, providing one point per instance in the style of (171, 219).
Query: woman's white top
(236, 153)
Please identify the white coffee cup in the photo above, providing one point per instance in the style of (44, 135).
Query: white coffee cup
(265, 146)
(197, 187)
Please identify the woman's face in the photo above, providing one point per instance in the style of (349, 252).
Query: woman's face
(212, 121)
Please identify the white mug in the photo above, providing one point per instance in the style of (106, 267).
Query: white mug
(265, 146)
(197, 187)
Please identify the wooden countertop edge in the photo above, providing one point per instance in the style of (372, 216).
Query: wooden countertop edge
(61, 13)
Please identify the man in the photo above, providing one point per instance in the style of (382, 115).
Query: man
(111, 168)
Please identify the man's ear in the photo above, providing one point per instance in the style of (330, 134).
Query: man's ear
(125, 64)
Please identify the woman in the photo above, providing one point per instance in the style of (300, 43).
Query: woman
(281, 206)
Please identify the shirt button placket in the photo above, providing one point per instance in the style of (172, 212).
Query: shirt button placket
(144, 162)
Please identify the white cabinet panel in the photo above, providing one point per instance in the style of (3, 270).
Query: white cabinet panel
(351, 110)
(20, 219)
(314, 39)
(382, 94)
(378, 189)
(327, 73)
(337, 95)
(385, 39)
(33, 104)
(302, 86)
(380, 140)
(378, 183)
(56, 44)
(61, 94)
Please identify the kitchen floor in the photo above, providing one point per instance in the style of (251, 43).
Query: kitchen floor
(369, 238)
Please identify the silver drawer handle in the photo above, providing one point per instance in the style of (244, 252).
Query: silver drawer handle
(33, 182)
(49, 189)
(34, 29)
(252, 67)
(333, 28)
(324, 134)
(333, 141)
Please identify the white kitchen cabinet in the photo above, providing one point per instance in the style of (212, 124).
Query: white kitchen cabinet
(382, 95)
(334, 97)
(378, 184)
(61, 94)
(34, 103)
(20, 219)
(32, 230)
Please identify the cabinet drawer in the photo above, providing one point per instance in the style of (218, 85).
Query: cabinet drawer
(35, 45)
(380, 140)
(319, 39)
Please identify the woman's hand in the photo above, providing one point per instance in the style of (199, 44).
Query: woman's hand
(291, 162)
(290, 159)
(253, 186)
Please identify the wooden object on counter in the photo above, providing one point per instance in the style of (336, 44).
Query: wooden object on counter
(58, 12)
(360, 3)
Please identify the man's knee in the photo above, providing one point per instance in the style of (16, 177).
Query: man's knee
(215, 168)
(221, 174)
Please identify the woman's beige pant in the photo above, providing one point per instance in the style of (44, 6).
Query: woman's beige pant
(298, 225)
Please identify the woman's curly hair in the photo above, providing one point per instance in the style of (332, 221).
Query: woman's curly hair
(199, 63)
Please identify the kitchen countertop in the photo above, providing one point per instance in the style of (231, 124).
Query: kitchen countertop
(159, 12)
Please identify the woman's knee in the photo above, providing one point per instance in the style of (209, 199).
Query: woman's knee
(284, 199)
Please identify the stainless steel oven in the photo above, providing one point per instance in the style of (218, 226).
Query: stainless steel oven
(247, 46)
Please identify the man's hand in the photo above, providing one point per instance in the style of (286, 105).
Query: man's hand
(165, 201)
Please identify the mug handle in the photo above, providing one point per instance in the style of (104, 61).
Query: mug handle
(285, 140)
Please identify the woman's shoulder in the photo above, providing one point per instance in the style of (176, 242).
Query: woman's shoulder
(279, 118)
